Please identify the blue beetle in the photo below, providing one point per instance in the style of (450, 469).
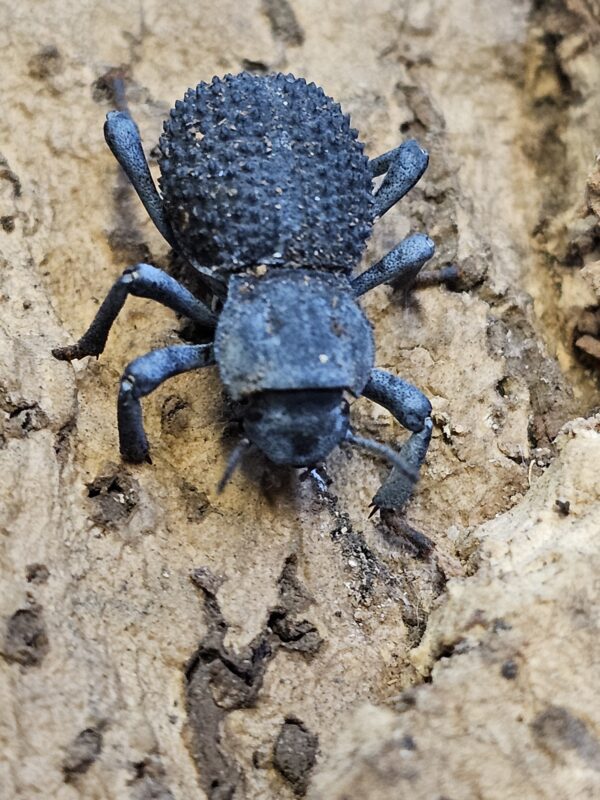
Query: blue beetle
(266, 191)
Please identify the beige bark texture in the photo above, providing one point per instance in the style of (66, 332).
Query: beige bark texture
(162, 641)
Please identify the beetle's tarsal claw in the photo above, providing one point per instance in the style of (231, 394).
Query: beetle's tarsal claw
(71, 352)
(234, 459)
(135, 455)
(399, 485)
(374, 509)
(318, 480)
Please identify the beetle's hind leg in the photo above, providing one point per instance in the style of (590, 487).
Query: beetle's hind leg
(403, 167)
(123, 138)
(142, 280)
(143, 376)
(412, 409)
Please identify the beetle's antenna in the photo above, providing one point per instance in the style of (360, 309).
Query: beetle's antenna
(234, 459)
(385, 451)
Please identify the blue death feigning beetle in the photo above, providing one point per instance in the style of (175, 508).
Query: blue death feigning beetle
(266, 191)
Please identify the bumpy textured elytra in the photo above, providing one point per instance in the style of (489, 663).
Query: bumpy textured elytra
(267, 193)
(265, 171)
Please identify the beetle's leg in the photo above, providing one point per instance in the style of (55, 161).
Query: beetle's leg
(142, 280)
(403, 167)
(433, 277)
(123, 138)
(140, 378)
(400, 265)
(412, 409)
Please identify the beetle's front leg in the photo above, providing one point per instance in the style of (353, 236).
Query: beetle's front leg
(142, 280)
(412, 409)
(403, 167)
(141, 377)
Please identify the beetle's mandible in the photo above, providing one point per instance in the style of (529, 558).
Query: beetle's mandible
(266, 191)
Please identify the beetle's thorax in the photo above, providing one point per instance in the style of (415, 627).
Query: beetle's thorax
(292, 330)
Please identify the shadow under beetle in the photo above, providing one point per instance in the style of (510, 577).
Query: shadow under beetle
(267, 193)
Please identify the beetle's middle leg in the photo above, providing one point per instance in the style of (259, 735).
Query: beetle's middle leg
(401, 265)
(142, 280)
(143, 376)
(412, 409)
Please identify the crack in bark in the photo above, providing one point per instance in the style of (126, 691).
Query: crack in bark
(219, 680)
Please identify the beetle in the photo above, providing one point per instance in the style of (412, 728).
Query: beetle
(266, 191)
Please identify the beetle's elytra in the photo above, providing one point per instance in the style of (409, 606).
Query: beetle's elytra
(266, 192)
(265, 171)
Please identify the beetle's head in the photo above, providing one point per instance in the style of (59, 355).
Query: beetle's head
(298, 427)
